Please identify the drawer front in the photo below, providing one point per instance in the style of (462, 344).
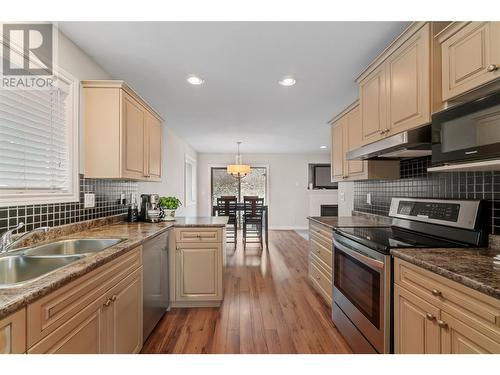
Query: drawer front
(13, 333)
(322, 252)
(53, 310)
(321, 282)
(470, 306)
(321, 231)
(198, 234)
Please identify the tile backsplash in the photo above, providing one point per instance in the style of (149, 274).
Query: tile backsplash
(418, 183)
(107, 203)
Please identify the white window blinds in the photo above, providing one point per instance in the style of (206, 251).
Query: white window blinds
(37, 141)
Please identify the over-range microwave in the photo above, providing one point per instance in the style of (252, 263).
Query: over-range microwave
(467, 134)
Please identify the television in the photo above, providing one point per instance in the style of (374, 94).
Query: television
(320, 177)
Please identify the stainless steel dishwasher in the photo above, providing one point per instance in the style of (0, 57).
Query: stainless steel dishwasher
(155, 281)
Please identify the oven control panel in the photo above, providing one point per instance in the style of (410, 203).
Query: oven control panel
(430, 210)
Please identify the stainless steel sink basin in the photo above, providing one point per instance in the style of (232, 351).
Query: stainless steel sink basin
(17, 269)
(72, 247)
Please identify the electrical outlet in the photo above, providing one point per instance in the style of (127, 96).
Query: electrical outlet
(88, 200)
(342, 196)
(368, 198)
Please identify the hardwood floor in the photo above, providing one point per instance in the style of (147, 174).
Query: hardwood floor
(269, 307)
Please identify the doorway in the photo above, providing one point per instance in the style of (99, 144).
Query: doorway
(222, 184)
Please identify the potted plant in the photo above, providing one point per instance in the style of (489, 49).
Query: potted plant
(169, 205)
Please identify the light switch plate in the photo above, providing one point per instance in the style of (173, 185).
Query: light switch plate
(368, 198)
(88, 200)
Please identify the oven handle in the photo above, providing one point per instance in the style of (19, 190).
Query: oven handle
(372, 262)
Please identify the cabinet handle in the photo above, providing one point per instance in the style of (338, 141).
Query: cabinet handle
(318, 278)
(318, 251)
(113, 298)
(430, 316)
(108, 302)
(492, 67)
(442, 324)
(436, 293)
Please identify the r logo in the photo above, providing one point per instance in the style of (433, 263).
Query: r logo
(27, 49)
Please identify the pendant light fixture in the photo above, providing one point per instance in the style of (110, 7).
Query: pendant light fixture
(238, 169)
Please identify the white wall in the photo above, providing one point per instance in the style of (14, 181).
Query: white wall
(319, 197)
(288, 194)
(174, 150)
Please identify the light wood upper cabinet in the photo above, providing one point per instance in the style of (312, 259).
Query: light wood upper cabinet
(347, 135)
(134, 140)
(433, 314)
(395, 90)
(408, 83)
(13, 333)
(154, 137)
(372, 93)
(122, 133)
(470, 56)
(354, 139)
(337, 150)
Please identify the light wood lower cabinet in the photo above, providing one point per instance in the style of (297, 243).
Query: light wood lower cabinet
(100, 312)
(435, 315)
(13, 333)
(320, 259)
(197, 266)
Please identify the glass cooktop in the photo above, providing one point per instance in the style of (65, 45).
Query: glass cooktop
(383, 239)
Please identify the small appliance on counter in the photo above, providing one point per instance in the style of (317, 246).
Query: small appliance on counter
(362, 262)
(150, 208)
(133, 210)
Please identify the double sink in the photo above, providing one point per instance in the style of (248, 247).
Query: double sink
(27, 264)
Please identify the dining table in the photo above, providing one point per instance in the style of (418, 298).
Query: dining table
(240, 207)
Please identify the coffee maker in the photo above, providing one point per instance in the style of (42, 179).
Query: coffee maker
(150, 207)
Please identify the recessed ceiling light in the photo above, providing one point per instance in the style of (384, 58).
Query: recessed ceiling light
(195, 80)
(287, 81)
(322, 146)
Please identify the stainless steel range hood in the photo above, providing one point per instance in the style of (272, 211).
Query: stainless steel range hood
(409, 144)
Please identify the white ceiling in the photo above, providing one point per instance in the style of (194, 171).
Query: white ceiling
(241, 63)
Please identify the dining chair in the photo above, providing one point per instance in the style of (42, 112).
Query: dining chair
(226, 206)
(253, 208)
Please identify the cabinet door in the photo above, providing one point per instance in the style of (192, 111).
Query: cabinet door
(354, 139)
(154, 147)
(124, 315)
(408, 83)
(337, 150)
(198, 271)
(13, 333)
(461, 338)
(415, 324)
(133, 127)
(85, 333)
(466, 56)
(373, 105)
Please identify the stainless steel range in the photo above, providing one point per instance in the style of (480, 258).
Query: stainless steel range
(362, 275)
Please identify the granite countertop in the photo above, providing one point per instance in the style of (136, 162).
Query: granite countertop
(134, 234)
(476, 268)
(351, 221)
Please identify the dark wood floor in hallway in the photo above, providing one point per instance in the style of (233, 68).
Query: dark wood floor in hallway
(269, 307)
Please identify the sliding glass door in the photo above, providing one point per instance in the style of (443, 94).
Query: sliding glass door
(224, 184)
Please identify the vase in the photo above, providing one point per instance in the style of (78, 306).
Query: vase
(168, 215)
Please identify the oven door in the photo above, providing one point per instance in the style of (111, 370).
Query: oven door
(361, 288)
(467, 132)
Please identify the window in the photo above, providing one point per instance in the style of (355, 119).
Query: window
(224, 184)
(39, 144)
(190, 181)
